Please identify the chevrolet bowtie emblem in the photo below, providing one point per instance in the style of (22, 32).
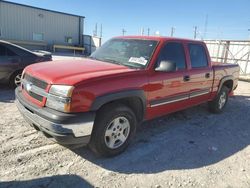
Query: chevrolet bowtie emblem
(28, 87)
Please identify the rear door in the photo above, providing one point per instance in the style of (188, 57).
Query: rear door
(201, 73)
(169, 91)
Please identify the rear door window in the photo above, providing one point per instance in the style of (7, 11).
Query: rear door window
(198, 56)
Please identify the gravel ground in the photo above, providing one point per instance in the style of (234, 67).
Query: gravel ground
(191, 148)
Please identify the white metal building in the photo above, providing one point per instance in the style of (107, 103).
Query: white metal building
(38, 28)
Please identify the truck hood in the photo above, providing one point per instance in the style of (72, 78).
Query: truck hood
(71, 72)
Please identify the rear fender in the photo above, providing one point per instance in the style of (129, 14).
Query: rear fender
(223, 80)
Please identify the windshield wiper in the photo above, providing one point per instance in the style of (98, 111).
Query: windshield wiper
(115, 62)
(111, 61)
(119, 63)
(105, 59)
(90, 57)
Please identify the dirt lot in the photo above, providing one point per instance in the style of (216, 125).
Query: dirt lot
(192, 148)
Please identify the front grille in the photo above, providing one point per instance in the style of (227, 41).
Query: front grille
(35, 81)
(37, 97)
(31, 82)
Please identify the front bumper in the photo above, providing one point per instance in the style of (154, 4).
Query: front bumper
(64, 128)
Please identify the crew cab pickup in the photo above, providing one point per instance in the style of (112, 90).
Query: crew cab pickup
(99, 101)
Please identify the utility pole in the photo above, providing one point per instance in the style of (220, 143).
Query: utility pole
(95, 31)
(195, 32)
(123, 32)
(205, 27)
(101, 31)
(172, 31)
(142, 31)
(148, 31)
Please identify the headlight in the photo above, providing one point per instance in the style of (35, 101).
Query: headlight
(59, 97)
(61, 90)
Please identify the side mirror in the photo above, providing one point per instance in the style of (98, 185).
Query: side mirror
(166, 66)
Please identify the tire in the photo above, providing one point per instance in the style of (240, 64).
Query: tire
(220, 101)
(114, 128)
(15, 79)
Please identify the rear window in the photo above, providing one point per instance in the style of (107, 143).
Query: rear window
(198, 56)
(19, 51)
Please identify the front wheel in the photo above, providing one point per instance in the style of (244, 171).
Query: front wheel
(220, 101)
(15, 79)
(113, 130)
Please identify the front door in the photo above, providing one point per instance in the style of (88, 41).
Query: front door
(169, 91)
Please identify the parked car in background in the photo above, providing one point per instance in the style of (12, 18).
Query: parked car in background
(13, 59)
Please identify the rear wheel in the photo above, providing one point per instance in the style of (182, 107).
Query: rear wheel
(114, 128)
(220, 101)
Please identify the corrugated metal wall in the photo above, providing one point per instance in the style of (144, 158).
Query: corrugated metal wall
(91, 43)
(20, 22)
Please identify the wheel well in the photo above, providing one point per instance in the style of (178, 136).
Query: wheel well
(134, 103)
(228, 84)
(17, 71)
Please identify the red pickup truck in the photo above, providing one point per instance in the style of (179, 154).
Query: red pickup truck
(99, 101)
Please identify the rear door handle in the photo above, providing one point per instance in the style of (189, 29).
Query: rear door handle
(186, 78)
(207, 75)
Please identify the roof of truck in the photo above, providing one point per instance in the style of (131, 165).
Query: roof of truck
(159, 38)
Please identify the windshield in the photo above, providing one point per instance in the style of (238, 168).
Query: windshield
(135, 53)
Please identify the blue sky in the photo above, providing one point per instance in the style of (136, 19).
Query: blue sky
(226, 19)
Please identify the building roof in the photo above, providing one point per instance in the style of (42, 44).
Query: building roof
(41, 8)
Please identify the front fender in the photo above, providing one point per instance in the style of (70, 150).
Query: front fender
(104, 99)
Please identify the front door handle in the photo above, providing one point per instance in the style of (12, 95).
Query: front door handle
(207, 75)
(186, 78)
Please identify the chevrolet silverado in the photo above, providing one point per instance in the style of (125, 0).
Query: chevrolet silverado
(99, 101)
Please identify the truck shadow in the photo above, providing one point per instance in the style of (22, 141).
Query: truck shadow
(189, 139)
(53, 181)
(7, 95)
